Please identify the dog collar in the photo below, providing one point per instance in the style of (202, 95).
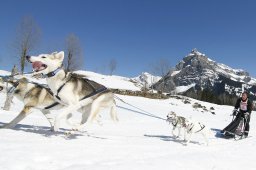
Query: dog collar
(53, 73)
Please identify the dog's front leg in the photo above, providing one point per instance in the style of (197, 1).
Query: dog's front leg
(185, 135)
(25, 111)
(66, 112)
(179, 132)
(50, 119)
(173, 129)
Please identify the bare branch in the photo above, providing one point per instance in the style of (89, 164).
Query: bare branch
(74, 59)
(112, 66)
(27, 38)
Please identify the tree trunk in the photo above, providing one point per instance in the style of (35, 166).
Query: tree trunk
(8, 100)
(23, 60)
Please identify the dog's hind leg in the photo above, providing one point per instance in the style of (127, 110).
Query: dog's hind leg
(189, 138)
(85, 113)
(206, 138)
(25, 111)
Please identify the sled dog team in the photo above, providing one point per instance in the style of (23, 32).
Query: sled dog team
(71, 92)
(67, 91)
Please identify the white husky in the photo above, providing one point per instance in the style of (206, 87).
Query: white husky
(177, 122)
(194, 127)
(73, 91)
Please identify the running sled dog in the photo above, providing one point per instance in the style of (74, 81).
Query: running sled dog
(32, 95)
(178, 122)
(73, 91)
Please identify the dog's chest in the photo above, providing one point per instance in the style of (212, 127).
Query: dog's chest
(179, 121)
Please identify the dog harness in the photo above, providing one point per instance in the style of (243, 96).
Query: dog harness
(94, 92)
(53, 73)
(202, 127)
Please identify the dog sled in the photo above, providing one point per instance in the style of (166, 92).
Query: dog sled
(236, 129)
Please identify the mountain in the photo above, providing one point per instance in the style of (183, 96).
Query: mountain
(197, 73)
(145, 80)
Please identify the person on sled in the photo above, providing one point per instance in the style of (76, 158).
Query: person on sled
(243, 109)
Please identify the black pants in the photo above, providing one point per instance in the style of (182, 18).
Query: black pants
(234, 124)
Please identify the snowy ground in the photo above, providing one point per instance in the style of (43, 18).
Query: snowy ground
(136, 142)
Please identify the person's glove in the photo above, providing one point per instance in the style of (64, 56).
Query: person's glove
(234, 112)
(246, 114)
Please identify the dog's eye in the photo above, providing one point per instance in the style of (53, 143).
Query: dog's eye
(43, 57)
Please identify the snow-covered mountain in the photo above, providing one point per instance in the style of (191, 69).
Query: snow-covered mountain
(198, 71)
(145, 80)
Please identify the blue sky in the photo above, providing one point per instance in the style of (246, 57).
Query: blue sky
(137, 32)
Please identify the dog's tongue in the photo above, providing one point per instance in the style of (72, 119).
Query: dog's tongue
(37, 65)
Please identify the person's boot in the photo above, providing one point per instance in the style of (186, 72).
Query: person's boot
(246, 134)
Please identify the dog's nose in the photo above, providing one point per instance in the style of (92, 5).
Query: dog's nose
(28, 57)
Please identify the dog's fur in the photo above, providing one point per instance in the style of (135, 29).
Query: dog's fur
(33, 96)
(75, 88)
(193, 127)
(177, 122)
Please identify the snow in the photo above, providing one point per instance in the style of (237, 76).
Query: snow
(115, 82)
(124, 83)
(175, 72)
(181, 89)
(137, 141)
(145, 79)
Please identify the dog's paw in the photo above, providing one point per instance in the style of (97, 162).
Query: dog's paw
(185, 144)
(176, 137)
(68, 133)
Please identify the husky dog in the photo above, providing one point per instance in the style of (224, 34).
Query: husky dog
(177, 122)
(32, 95)
(75, 92)
(193, 127)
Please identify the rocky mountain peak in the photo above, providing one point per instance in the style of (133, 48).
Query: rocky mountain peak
(195, 59)
(199, 70)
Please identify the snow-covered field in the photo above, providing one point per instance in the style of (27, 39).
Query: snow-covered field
(136, 142)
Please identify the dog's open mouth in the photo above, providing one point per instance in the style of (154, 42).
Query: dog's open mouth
(1, 88)
(38, 66)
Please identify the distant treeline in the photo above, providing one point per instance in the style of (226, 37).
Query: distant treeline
(209, 96)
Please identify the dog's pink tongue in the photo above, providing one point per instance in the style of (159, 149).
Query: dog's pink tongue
(37, 65)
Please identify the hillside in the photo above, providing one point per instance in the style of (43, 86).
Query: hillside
(137, 141)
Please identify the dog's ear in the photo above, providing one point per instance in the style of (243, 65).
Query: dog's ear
(24, 80)
(54, 53)
(60, 55)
